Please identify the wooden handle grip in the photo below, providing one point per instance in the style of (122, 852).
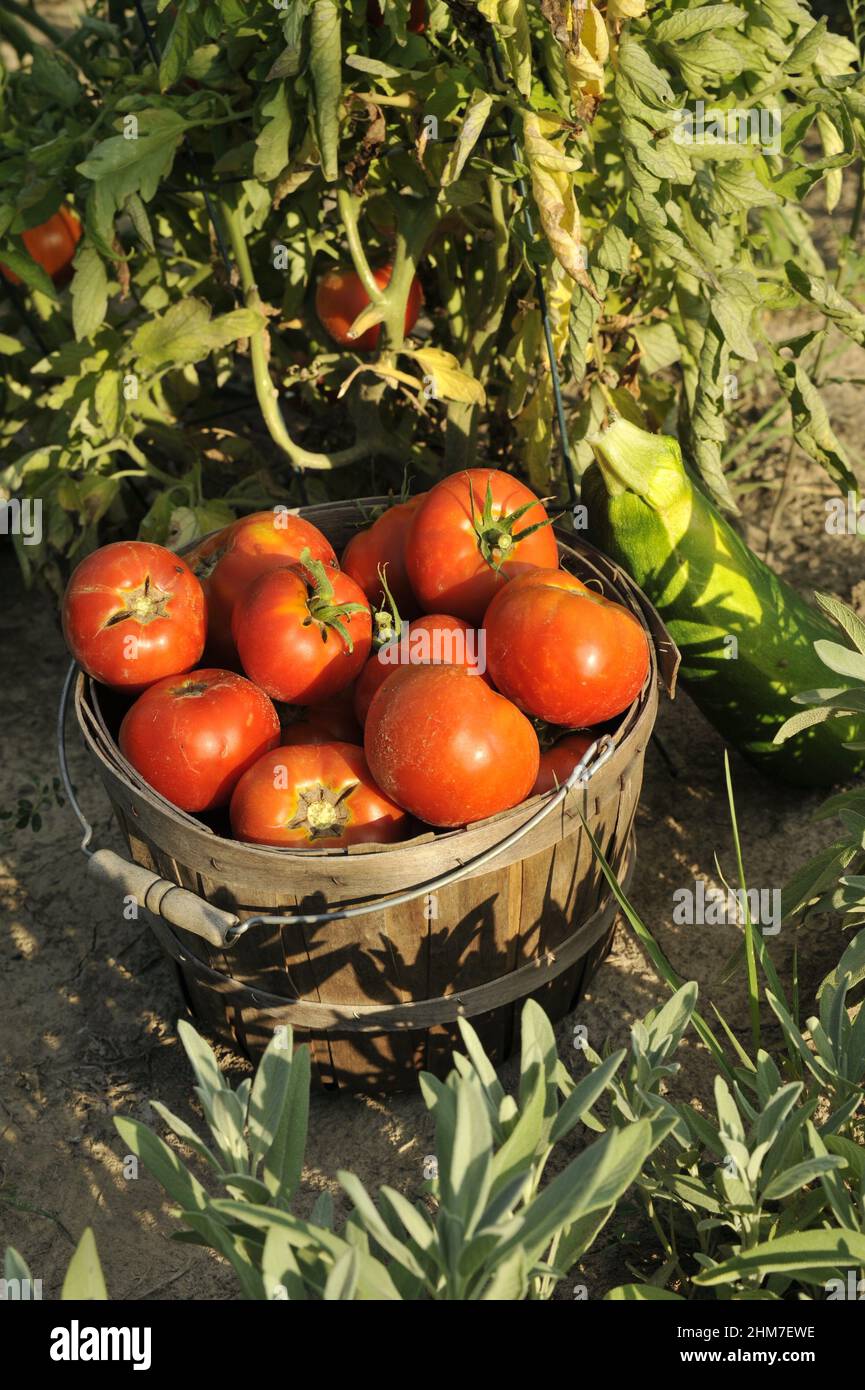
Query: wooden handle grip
(162, 898)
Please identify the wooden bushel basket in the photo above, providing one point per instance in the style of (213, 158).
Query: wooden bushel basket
(377, 996)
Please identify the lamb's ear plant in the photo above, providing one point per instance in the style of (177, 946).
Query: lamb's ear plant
(834, 879)
(84, 1278)
(485, 1227)
(835, 701)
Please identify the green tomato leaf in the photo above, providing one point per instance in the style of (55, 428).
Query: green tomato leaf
(138, 160)
(179, 46)
(687, 23)
(187, 333)
(811, 424)
(326, 66)
(22, 265)
(271, 145)
(89, 292)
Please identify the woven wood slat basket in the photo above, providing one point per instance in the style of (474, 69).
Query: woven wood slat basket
(376, 997)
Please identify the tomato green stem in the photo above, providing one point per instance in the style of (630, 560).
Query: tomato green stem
(266, 393)
(322, 609)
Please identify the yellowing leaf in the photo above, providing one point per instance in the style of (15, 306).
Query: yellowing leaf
(582, 33)
(625, 9)
(523, 353)
(511, 19)
(833, 143)
(384, 371)
(585, 63)
(560, 293)
(553, 191)
(535, 433)
(445, 377)
(479, 107)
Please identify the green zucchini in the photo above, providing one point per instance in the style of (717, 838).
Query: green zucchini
(746, 637)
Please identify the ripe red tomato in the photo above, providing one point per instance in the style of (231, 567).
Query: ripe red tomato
(558, 762)
(52, 245)
(564, 653)
(435, 640)
(445, 746)
(133, 613)
(474, 531)
(382, 545)
(340, 297)
(191, 737)
(303, 633)
(228, 562)
(314, 796)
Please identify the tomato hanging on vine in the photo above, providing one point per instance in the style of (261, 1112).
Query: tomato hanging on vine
(52, 246)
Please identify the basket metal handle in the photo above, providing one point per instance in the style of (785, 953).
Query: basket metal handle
(191, 913)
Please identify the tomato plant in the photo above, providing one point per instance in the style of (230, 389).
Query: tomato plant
(190, 737)
(303, 633)
(444, 745)
(228, 562)
(502, 156)
(341, 297)
(382, 546)
(133, 613)
(473, 532)
(314, 796)
(562, 652)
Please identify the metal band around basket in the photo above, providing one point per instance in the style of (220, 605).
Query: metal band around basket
(419, 1014)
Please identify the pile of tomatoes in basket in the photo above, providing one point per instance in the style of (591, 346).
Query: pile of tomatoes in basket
(346, 700)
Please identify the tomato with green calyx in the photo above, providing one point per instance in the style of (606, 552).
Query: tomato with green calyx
(473, 533)
(340, 297)
(314, 796)
(191, 737)
(228, 562)
(558, 762)
(132, 613)
(434, 640)
(440, 742)
(562, 652)
(382, 546)
(303, 633)
(52, 246)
